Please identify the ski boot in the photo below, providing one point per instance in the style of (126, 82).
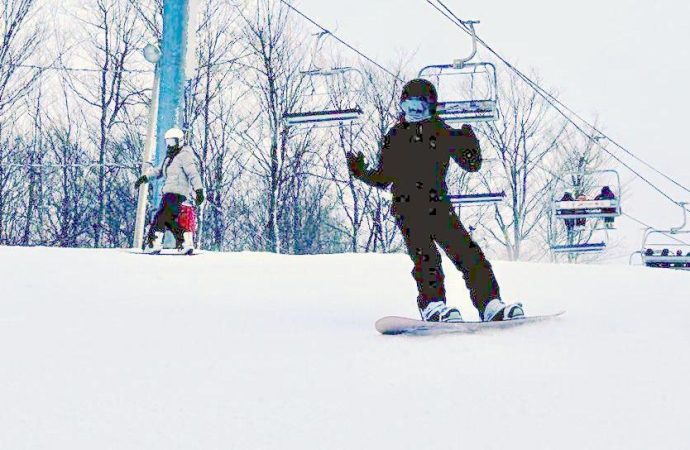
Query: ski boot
(187, 245)
(497, 310)
(155, 243)
(440, 312)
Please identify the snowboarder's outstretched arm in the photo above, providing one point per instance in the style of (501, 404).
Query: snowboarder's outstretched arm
(376, 177)
(150, 173)
(464, 148)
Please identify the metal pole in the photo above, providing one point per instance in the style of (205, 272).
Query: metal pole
(171, 67)
(149, 145)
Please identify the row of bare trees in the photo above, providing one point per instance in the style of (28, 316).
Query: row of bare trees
(71, 140)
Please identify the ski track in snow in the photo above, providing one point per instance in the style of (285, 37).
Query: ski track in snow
(103, 349)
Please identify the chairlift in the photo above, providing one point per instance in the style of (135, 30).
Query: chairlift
(457, 108)
(655, 253)
(590, 208)
(320, 109)
(585, 208)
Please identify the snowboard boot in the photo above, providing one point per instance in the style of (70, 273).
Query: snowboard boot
(440, 312)
(155, 243)
(187, 247)
(497, 310)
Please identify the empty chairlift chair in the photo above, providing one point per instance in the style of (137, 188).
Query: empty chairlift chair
(468, 91)
(319, 108)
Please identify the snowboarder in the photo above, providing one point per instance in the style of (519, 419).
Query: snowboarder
(607, 194)
(181, 178)
(414, 160)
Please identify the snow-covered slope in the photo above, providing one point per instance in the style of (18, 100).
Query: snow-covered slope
(103, 349)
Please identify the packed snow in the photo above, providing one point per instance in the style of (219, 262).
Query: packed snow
(104, 349)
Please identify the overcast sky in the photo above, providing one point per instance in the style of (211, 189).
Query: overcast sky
(621, 60)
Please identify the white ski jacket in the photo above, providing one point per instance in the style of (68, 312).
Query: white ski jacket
(181, 175)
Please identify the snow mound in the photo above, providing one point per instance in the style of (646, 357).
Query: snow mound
(104, 349)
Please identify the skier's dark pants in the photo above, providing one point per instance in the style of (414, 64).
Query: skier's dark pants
(167, 214)
(421, 232)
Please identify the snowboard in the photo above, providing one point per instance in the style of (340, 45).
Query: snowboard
(164, 252)
(402, 325)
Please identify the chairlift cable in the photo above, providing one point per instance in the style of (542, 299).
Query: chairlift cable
(654, 228)
(556, 100)
(551, 100)
(341, 41)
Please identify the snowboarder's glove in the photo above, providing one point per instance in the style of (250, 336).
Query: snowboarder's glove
(468, 155)
(199, 197)
(356, 163)
(142, 179)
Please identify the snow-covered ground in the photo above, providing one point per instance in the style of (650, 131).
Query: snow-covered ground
(103, 349)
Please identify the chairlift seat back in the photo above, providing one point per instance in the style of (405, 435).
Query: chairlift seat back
(467, 111)
(468, 92)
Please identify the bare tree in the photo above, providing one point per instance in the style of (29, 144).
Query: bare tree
(525, 135)
(34, 158)
(115, 37)
(578, 156)
(209, 108)
(20, 37)
(275, 75)
(362, 204)
(150, 13)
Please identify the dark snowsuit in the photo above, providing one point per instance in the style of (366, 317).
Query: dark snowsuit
(167, 215)
(414, 161)
(569, 223)
(606, 194)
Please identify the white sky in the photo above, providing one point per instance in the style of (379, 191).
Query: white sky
(623, 60)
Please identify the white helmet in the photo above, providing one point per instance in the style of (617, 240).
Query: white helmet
(174, 137)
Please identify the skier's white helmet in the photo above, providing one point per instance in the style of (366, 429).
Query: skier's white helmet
(174, 137)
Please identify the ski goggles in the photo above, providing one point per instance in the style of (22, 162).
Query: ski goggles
(415, 108)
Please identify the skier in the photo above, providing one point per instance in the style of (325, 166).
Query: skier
(607, 194)
(414, 160)
(181, 177)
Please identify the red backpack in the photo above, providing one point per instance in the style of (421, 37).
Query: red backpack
(187, 218)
